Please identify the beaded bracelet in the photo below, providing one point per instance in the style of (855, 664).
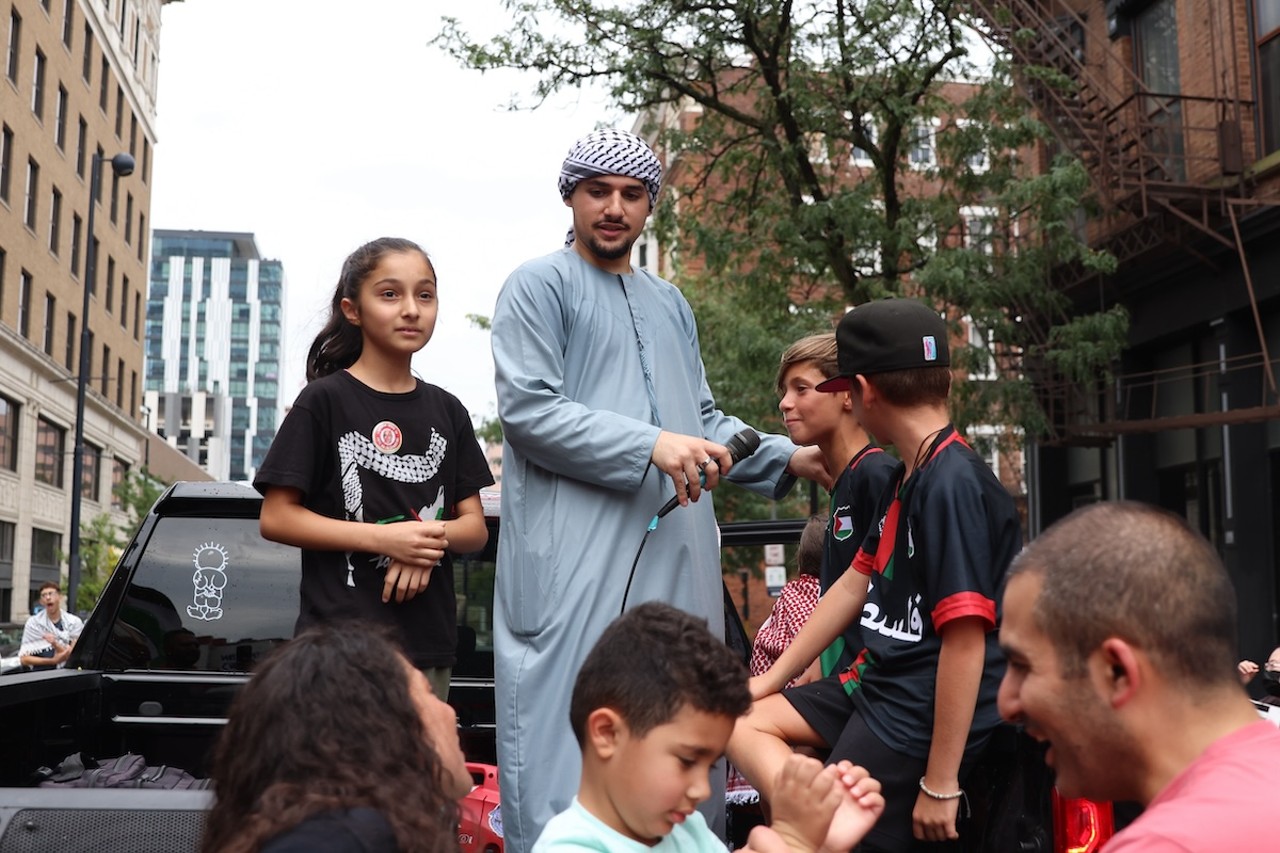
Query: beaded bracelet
(935, 795)
(958, 795)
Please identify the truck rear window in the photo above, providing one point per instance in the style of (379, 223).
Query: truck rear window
(208, 595)
(211, 595)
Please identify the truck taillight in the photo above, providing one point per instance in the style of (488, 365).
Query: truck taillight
(1079, 825)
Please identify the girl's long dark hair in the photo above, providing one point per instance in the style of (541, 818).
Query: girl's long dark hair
(327, 723)
(339, 343)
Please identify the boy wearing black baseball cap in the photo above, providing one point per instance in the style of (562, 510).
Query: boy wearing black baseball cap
(919, 700)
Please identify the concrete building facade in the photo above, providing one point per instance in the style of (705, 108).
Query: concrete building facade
(78, 81)
(214, 336)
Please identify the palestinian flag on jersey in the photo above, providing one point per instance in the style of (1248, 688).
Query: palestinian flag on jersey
(842, 527)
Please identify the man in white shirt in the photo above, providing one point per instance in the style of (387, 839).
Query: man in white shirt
(50, 635)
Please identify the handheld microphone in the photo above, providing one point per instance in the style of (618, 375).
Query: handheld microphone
(740, 446)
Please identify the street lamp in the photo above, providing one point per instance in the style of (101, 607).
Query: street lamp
(122, 166)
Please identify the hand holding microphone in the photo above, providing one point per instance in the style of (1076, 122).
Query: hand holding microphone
(671, 453)
(739, 447)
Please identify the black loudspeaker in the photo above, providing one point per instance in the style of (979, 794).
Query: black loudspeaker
(104, 820)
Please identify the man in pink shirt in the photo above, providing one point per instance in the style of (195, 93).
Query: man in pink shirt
(1120, 630)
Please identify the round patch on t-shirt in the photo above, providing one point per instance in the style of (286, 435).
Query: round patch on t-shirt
(387, 437)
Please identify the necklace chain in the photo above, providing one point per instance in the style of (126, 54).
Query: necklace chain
(925, 441)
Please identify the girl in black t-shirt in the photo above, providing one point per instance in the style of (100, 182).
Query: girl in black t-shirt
(374, 473)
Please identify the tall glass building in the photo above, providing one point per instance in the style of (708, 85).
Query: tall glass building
(213, 343)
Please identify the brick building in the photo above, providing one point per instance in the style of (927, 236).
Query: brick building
(1174, 107)
(79, 81)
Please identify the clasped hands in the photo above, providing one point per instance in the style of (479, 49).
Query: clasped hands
(414, 548)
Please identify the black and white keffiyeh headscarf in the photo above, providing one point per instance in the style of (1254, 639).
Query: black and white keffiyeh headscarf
(611, 152)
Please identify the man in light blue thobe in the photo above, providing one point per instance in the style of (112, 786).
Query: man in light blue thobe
(606, 413)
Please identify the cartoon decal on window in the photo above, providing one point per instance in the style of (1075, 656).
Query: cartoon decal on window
(210, 577)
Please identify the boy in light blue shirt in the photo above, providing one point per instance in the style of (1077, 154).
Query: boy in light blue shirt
(653, 707)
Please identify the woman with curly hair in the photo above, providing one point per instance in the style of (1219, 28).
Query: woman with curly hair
(337, 744)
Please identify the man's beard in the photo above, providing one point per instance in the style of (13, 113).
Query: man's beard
(609, 253)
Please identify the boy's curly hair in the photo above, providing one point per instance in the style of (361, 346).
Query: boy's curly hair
(652, 661)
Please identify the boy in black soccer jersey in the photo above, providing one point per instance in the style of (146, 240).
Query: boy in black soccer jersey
(920, 697)
(826, 418)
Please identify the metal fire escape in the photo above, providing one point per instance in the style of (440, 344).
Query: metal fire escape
(1167, 170)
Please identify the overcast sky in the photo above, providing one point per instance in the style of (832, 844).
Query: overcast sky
(319, 128)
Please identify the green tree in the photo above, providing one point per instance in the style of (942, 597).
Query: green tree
(773, 233)
(100, 545)
(138, 492)
(101, 540)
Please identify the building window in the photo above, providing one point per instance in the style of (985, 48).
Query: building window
(89, 473)
(55, 220)
(119, 383)
(133, 136)
(33, 186)
(978, 159)
(111, 284)
(68, 21)
(70, 359)
(37, 85)
(119, 472)
(861, 157)
(119, 112)
(137, 313)
(922, 150)
(979, 224)
(77, 225)
(128, 218)
(7, 531)
(51, 442)
(45, 547)
(15, 44)
(1156, 55)
(115, 198)
(24, 303)
(106, 368)
(86, 67)
(60, 120)
(982, 364)
(142, 233)
(146, 159)
(50, 309)
(6, 161)
(124, 301)
(1266, 14)
(101, 155)
(104, 92)
(133, 392)
(82, 135)
(8, 434)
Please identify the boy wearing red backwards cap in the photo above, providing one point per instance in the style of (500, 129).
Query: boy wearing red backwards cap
(919, 700)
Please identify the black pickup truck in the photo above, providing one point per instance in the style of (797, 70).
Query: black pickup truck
(198, 598)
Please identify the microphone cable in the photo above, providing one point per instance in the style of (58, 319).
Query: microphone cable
(653, 524)
(741, 445)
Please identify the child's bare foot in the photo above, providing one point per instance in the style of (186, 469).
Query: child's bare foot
(805, 796)
(860, 805)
